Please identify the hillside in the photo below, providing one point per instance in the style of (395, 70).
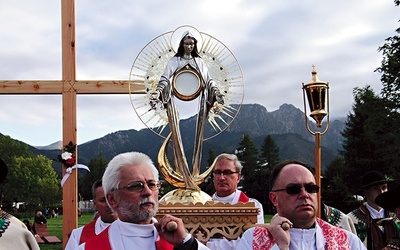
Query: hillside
(286, 126)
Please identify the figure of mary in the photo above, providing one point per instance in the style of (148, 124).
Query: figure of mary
(187, 59)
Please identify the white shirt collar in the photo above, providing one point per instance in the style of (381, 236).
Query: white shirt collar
(312, 238)
(124, 234)
(375, 213)
(100, 225)
(233, 198)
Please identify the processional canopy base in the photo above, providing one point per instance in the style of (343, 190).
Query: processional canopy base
(213, 219)
(185, 196)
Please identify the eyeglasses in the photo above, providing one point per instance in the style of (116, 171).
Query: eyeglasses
(225, 172)
(296, 189)
(138, 186)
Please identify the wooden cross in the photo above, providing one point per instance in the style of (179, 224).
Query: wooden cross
(69, 87)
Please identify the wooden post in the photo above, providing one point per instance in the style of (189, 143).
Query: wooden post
(318, 170)
(70, 188)
(69, 87)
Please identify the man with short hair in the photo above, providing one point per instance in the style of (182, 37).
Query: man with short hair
(131, 185)
(294, 195)
(371, 229)
(105, 217)
(227, 174)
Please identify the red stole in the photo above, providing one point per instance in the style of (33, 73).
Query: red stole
(88, 231)
(102, 241)
(163, 244)
(243, 197)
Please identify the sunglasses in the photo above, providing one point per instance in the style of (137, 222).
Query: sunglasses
(138, 186)
(296, 189)
(225, 172)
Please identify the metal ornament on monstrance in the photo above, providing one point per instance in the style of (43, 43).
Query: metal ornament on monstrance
(224, 69)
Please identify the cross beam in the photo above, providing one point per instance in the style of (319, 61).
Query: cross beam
(60, 86)
(69, 87)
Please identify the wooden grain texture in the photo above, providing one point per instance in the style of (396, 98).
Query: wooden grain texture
(24, 87)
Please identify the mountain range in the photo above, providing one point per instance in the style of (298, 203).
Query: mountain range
(286, 126)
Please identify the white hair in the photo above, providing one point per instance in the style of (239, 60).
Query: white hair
(112, 175)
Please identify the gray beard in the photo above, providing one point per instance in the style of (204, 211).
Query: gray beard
(135, 213)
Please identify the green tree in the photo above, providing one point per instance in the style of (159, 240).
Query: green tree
(367, 137)
(390, 70)
(269, 157)
(248, 156)
(208, 185)
(9, 148)
(32, 180)
(334, 189)
(97, 167)
(390, 78)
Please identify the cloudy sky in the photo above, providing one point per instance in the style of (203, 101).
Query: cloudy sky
(275, 42)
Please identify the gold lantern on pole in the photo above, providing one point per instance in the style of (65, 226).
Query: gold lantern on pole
(317, 93)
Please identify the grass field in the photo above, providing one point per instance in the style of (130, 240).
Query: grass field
(54, 226)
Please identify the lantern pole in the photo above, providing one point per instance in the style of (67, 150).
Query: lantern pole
(317, 93)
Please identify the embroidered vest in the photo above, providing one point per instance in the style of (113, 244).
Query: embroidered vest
(332, 216)
(335, 238)
(102, 241)
(4, 223)
(367, 228)
(88, 231)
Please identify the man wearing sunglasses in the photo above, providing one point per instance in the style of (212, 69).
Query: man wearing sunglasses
(294, 195)
(131, 185)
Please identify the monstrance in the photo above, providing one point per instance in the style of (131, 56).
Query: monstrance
(186, 87)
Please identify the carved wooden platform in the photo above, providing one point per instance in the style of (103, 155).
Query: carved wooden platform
(213, 219)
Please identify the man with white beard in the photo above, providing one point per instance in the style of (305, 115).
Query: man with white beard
(131, 186)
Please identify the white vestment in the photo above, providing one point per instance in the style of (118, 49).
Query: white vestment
(222, 243)
(234, 198)
(304, 239)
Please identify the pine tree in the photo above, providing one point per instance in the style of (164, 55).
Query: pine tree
(367, 140)
(269, 152)
(252, 183)
(208, 185)
(97, 167)
(269, 157)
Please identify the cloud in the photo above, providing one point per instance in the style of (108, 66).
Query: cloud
(275, 42)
